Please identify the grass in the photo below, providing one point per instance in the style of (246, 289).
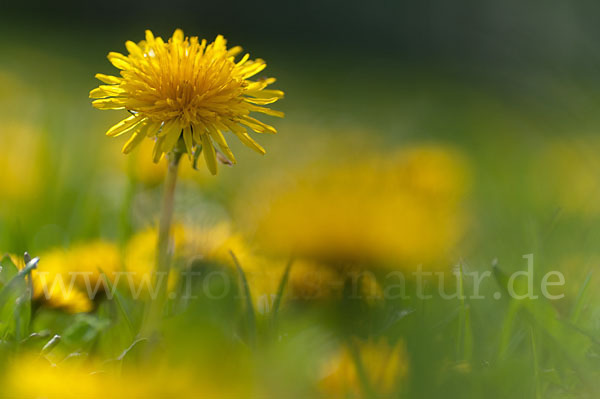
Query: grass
(519, 203)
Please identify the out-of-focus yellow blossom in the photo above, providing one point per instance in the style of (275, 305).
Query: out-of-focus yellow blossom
(384, 366)
(140, 254)
(186, 88)
(574, 168)
(400, 210)
(307, 281)
(189, 243)
(214, 244)
(94, 258)
(68, 278)
(56, 292)
(34, 377)
(21, 151)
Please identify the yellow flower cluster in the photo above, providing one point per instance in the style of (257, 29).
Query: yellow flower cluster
(307, 279)
(32, 376)
(69, 279)
(56, 284)
(401, 210)
(186, 88)
(20, 174)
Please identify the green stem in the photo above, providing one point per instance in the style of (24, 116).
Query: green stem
(163, 258)
(166, 214)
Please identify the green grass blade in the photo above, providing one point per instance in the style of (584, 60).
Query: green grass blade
(281, 288)
(464, 343)
(250, 317)
(119, 303)
(536, 366)
(578, 306)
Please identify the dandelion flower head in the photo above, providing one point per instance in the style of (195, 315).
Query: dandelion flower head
(187, 88)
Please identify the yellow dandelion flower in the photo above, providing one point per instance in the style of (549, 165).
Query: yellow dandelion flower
(64, 277)
(93, 258)
(20, 177)
(51, 292)
(189, 243)
(140, 255)
(307, 281)
(93, 379)
(186, 88)
(384, 365)
(396, 211)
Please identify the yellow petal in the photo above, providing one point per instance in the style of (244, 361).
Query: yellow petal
(261, 84)
(168, 127)
(119, 60)
(135, 139)
(249, 142)
(266, 111)
(153, 129)
(261, 101)
(243, 60)
(265, 93)
(209, 154)
(198, 130)
(251, 69)
(108, 103)
(220, 140)
(149, 37)
(124, 126)
(134, 49)
(187, 139)
(232, 52)
(108, 79)
(156, 151)
(170, 140)
(178, 36)
(106, 91)
(256, 125)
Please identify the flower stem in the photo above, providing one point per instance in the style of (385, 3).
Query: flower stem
(163, 257)
(166, 215)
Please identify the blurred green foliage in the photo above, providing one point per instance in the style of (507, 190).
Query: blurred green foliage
(532, 143)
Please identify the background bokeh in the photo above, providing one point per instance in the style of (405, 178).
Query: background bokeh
(473, 125)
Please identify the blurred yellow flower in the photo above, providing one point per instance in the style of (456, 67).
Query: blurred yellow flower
(307, 281)
(211, 244)
(31, 376)
(93, 258)
(189, 243)
(20, 168)
(68, 278)
(385, 366)
(186, 88)
(400, 210)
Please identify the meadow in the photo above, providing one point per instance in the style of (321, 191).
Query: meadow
(342, 263)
